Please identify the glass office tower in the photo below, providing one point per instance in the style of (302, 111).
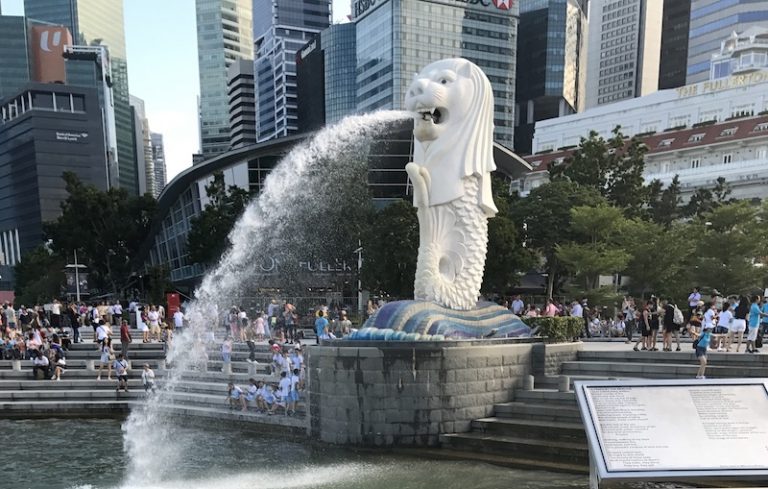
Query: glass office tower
(712, 21)
(280, 29)
(396, 38)
(14, 67)
(100, 22)
(223, 36)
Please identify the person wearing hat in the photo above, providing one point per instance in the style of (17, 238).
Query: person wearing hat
(701, 347)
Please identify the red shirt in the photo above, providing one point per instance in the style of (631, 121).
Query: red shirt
(125, 334)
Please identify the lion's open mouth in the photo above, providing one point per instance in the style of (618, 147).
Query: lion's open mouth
(434, 114)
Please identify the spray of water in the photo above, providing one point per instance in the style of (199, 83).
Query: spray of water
(303, 203)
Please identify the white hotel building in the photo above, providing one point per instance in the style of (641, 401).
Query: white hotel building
(699, 132)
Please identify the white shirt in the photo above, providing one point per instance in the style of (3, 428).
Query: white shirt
(56, 308)
(117, 309)
(517, 306)
(285, 387)
(709, 319)
(725, 319)
(577, 311)
(148, 377)
(101, 332)
(153, 317)
(178, 319)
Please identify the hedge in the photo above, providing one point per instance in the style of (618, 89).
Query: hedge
(557, 329)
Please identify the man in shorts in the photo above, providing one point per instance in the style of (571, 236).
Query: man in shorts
(121, 369)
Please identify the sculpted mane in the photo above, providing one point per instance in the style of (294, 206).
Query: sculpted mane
(467, 149)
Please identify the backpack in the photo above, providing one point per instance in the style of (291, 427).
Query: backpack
(678, 317)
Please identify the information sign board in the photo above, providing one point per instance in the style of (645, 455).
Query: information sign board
(668, 430)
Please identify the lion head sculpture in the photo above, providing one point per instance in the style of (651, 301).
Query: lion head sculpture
(452, 102)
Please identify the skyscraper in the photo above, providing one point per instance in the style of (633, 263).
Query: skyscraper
(280, 29)
(623, 50)
(712, 21)
(145, 161)
(396, 38)
(242, 104)
(158, 155)
(675, 27)
(14, 68)
(223, 37)
(99, 22)
(548, 64)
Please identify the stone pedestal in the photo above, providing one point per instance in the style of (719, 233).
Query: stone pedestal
(408, 393)
(17, 365)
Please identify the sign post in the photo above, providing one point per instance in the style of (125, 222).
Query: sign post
(675, 430)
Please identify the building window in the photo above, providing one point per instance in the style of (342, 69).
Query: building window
(763, 126)
(728, 132)
(696, 137)
(721, 69)
(666, 142)
(695, 163)
(727, 158)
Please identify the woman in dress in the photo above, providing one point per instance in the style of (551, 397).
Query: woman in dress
(107, 356)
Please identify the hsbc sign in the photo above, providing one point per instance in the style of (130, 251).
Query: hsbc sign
(360, 7)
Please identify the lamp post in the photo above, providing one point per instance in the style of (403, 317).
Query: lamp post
(77, 266)
(359, 252)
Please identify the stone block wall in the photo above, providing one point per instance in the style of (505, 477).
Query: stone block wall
(409, 394)
(547, 358)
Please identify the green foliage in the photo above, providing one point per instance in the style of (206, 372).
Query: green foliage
(596, 249)
(157, 284)
(507, 258)
(208, 236)
(728, 240)
(39, 277)
(391, 247)
(106, 228)
(612, 167)
(557, 329)
(660, 258)
(664, 205)
(545, 218)
(704, 201)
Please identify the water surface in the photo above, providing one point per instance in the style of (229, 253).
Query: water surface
(89, 454)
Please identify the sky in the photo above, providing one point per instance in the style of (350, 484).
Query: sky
(162, 69)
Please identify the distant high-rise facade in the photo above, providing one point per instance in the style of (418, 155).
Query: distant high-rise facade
(280, 29)
(14, 67)
(223, 36)
(143, 148)
(242, 104)
(396, 38)
(326, 80)
(99, 22)
(712, 21)
(623, 50)
(158, 156)
(675, 27)
(549, 50)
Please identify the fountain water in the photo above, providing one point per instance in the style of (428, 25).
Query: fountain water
(289, 219)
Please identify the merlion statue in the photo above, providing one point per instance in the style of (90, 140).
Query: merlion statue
(451, 175)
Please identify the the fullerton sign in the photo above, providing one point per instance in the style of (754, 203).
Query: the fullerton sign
(362, 6)
(722, 84)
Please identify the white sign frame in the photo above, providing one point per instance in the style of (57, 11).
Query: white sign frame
(600, 473)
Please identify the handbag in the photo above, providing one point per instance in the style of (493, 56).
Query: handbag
(696, 343)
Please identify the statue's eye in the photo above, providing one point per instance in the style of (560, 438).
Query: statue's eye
(443, 81)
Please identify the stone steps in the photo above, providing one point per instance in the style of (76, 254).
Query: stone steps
(71, 394)
(527, 428)
(684, 357)
(532, 412)
(656, 370)
(512, 446)
(87, 408)
(65, 384)
(518, 461)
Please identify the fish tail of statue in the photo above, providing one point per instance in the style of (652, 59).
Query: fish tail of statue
(453, 237)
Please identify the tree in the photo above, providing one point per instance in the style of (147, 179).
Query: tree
(209, 231)
(729, 242)
(704, 201)
(544, 217)
(661, 258)
(106, 228)
(391, 249)
(39, 276)
(664, 205)
(507, 257)
(613, 167)
(597, 249)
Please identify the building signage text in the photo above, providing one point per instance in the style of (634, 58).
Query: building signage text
(70, 137)
(362, 6)
(312, 46)
(722, 84)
